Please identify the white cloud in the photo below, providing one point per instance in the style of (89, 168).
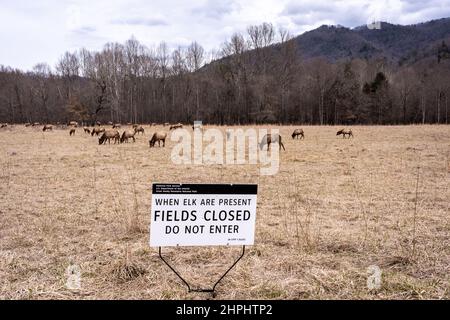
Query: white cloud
(41, 31)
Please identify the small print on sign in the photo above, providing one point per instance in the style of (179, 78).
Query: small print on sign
(203, 215)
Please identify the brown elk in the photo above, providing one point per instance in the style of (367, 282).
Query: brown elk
(35, 124)
(86, 130)
(344, 133)
(158, 137)
(176, 126)
(269, 139)
(108, 135)
(97, 131)
(47, 127)
(127, 135)
(73, 124)
(3, 125)
(139, 129)
(298, 133)
(27, 124)
(72, 132)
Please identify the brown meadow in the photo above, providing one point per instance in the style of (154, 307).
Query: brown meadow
(336, 207)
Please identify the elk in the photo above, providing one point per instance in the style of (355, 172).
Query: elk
(176, 126)
(47, 127)
(3, 125)
(344, 133)
(139, 129)
(73, 124)
(27, 124)
(35, 124)
(298, 133)
(108, 135)
(110, 123)
(158, 137)
(116, 126)
(86, 130)
(72, 132)
(166, 124)
(127, 135)
(97, 131)
(271, 138)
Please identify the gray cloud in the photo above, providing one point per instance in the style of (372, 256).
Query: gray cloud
(215, 9)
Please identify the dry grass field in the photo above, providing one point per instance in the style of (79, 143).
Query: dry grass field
(335, 208)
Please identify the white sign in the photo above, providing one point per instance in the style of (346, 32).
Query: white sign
(202, 215)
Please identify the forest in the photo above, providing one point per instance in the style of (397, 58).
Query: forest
(260, 76)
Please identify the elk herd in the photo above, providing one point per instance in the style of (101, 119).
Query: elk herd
(106, 135)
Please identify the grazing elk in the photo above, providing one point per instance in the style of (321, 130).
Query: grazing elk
(271, 138)
(298, 133)
(47, 127)
(139, 129)
(108, 135)
(86, 130)
(127, 135)
(97, 131)
(158, 137)
(72, 132)
(344, 133)
(176, 126)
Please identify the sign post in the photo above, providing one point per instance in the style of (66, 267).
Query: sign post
(202, 215)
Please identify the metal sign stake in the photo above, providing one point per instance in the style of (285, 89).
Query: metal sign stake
(213, 290)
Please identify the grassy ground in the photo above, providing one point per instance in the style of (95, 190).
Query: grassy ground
(335, 208)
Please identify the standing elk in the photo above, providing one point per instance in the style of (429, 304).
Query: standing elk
(73, 124)
(158, 137)
(47, 127)
(127, 135)
(298, 133)
(108, 135)
(72, 132)
(139, 129)
(344, 133)
(269, 139)
(97, 131)
(3, 125)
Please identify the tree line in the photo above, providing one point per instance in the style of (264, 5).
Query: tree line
(256, 77)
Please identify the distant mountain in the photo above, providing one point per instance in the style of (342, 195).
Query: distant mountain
(397, 43)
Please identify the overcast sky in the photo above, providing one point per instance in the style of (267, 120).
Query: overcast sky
(42, 30)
